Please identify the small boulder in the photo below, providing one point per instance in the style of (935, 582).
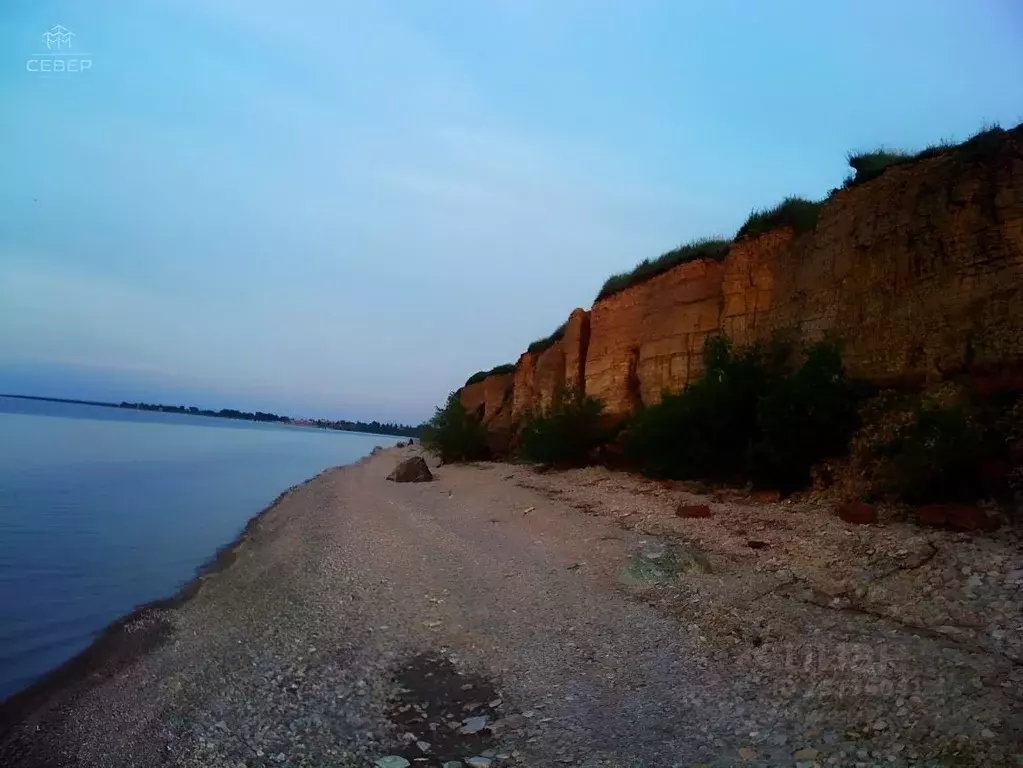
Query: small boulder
(692, 510)
(857, 513)
(766, 497)
(473, 725)
(413, 470)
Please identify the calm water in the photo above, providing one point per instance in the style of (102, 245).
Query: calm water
(102, 509)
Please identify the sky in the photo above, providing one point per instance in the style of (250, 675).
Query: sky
(344, 209)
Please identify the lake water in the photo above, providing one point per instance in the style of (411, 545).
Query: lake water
(103, 509)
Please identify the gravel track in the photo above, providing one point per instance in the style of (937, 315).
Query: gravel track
(288, 656)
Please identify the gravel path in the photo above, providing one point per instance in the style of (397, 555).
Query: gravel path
(470, 618)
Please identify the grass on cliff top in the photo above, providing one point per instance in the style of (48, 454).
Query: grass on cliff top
(795, 212)
(708, 248)
(495, 371)
(540, 345)
(869, 165)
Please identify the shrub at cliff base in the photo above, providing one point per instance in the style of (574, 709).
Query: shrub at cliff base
(705, 430)
(454, 434)
(939, 446)
(802, 418)
(566, 433)
(753, 415)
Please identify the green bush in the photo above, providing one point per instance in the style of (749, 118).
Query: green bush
(708, 248)
(795, 212)
(939, 455)
(495, 371)
(566, 433)
(540, 345)
(753, 415)
(705, 430)
(804, 418)
(455, 434)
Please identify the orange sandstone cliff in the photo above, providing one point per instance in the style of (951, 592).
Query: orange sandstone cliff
(918, 272)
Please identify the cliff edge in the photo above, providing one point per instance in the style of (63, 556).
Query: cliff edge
(918, 271)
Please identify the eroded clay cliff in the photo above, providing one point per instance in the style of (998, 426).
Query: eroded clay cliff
(919, 273)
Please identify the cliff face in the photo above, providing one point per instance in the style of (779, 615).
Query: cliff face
(919, 273)
(491, 400)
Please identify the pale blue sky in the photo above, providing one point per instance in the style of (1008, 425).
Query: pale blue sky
(340, 208)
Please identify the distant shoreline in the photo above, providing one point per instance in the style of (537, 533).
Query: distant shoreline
(368, 428)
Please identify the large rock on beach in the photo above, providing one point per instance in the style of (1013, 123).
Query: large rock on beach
(659, 561)
(412, 470)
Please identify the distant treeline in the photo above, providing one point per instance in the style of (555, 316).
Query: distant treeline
(223, 413)
(372, 427)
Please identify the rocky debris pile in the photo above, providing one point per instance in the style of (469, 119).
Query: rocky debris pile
(888, 643)
(411, 470)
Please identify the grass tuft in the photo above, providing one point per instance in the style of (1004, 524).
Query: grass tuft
(795, 212)
(495, 371)
(869, 165)
(540, 345)
(708, 248)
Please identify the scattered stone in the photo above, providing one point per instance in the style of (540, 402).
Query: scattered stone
(692, 510)
(473, 725)
(809, 753)
(392, 761)
(766, 497)
(857, 513)
(479, 762)
(747, 754)
(509, 723)
(958, 517)
(452, 764)
(424, 746)
(413, 470)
